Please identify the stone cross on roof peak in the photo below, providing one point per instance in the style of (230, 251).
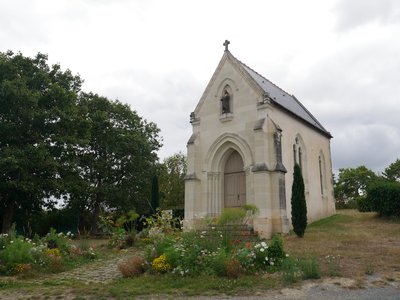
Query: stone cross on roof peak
(226, 44)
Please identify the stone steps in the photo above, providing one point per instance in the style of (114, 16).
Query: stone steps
(233, 231)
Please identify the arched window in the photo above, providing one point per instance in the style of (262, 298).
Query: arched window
(322, 172)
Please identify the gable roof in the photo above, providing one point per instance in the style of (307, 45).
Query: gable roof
(282, 99)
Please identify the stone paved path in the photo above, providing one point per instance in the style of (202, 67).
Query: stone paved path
(100, 271)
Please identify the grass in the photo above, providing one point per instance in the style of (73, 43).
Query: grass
(348, 244)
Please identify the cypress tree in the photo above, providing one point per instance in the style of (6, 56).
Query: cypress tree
(155, 194)
(298, 200)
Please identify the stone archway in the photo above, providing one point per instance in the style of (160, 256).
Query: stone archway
(234, 181)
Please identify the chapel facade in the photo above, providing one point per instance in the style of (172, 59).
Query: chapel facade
(247, 135)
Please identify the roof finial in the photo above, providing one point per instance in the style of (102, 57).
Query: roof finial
(226, 44)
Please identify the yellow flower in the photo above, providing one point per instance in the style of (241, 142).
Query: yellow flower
(160, 264)
(53, 252)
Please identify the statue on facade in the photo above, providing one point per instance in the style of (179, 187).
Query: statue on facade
(225, 102)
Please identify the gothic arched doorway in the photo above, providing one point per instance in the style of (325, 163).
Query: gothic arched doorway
(234, 181)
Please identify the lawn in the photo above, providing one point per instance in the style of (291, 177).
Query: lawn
(349, 244)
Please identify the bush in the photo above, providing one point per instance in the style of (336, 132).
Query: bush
(234, 215)
(310, 268)
(134, 266)
(17, 252)
(233, 268)
(364, 204)
(385, 198)
(275, 251)
(291, 272)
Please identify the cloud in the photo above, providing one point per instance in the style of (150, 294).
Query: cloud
(355, 13)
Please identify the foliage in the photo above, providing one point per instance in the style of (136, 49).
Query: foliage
(275, 251)
(195, 253)
(155, 194)
(298, 201)
(237, 215)
(291, 272)
(52, 253)
(39, 124)
(160, 264)
(352, 183)
(113, 170)
(18, 251)
(60, 143)
(162, 222)
(59, 240)
(364, 204)
(310, 268)
(232, 215)
(385, 198)
(392, 172)
(172, 185)
(132, 267)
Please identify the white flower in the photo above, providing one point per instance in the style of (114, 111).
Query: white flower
(262, 249)
(212, 228)
(272, 263)
(287, 255)
(266, 258)
(264, 244)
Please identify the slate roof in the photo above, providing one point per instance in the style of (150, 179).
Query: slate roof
(288, 102)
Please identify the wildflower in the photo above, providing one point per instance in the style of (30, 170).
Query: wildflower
(271, 263)
(264, 244)
(262, 249)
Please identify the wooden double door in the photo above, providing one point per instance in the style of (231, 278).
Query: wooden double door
(234, 181)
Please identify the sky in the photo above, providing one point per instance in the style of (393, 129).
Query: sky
(340, 58)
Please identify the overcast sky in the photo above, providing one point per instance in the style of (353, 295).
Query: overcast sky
(340, 58)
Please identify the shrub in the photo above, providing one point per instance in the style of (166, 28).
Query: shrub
(310, 268)
(290, 271)
(132, 267)
(160, 264)
(385, 197)
(234, 215)
(233, 268)
(58, 240)
(298, 200)
(18, 251)
(364, 204)
(275, 251)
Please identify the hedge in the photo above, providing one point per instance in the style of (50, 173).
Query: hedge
(385, 198)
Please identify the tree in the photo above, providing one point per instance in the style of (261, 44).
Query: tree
(392, 172)
(352, 183)
(38, 124)
(113, 170)
(155, 194)
(172, 183)
(298, 201)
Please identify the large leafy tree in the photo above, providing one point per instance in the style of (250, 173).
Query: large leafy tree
(114, 168)
(352, 183)
(392, 172)
(38, 123)
(298, 201)
(172, 184)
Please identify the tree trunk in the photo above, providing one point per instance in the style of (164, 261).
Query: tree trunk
(8, 217)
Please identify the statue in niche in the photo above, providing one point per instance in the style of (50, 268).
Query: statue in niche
(225, 102)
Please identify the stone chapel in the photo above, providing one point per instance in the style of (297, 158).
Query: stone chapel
(247, 135)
